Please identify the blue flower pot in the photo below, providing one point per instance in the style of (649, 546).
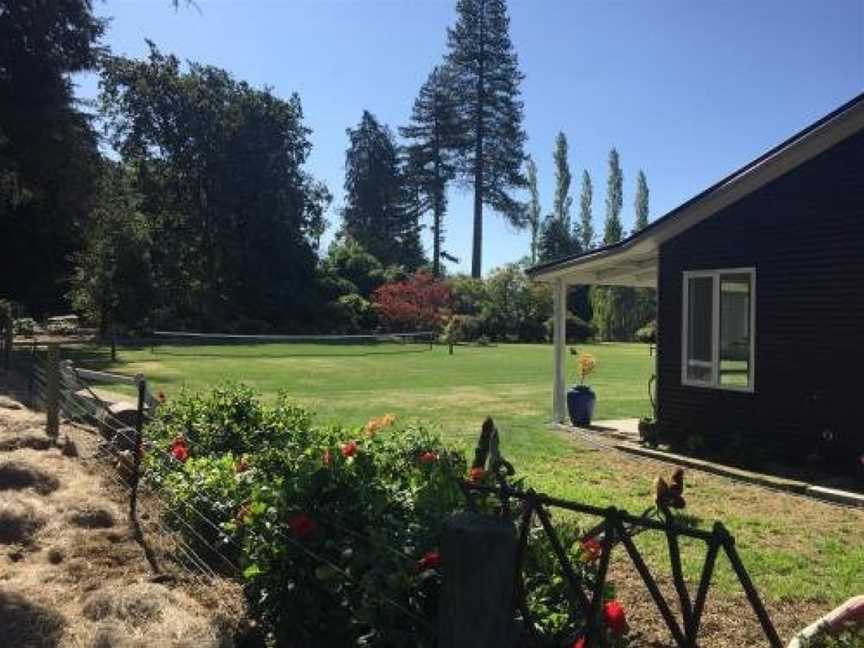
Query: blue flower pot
(580, 404)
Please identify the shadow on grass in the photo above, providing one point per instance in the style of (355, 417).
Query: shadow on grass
(26, 624)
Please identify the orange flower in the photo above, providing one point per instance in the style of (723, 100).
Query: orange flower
(328, 457)
(242, 464)
(377, 424)
(161, 396)
(476, 474)
(587, 364)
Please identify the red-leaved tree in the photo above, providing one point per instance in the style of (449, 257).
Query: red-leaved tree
(416, 304)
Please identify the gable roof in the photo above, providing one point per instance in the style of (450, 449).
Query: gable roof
(632, 261)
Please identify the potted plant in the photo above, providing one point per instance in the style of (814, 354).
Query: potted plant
(581, 398)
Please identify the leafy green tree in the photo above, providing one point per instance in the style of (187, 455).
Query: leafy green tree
(613, 231)
(378, 211)
(641, 202)
(486, 81)
(515, 308)
(350, 261)
(559, 237)
(112, 283)
(49, 159)
(434, 134)
(586, 226)
(534, 208)
(220, 167)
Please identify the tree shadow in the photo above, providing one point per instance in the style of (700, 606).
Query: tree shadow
(26, 625)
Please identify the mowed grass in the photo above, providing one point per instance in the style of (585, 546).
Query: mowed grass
(796, 550)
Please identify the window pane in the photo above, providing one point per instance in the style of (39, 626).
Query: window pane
(699, 317)
(735, 333)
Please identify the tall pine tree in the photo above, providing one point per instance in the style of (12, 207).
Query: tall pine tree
(586, 226)
(434, 135)
(641, 202)
(486, 79)
(534, 208)
(378, 212)
(557, 239)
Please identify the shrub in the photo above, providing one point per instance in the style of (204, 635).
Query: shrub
(647, 333)
(578, 330)
(416, 304)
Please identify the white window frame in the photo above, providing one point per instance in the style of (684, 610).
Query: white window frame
(714, 382)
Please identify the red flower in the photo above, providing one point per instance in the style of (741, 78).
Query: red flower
(349, 449)
(428, 457)
(180, 449)
(328, 457)
(613, 615)
(579, 643)
(591, 550)
(430, 560)
(476, 474)
(302, 525)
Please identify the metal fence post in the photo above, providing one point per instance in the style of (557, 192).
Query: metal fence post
(478, 555)
(52, 395)
(8, 335)
(136, 450)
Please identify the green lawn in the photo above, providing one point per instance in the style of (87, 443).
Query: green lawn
(799, 552)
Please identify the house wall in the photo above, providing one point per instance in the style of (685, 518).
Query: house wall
(804, 234)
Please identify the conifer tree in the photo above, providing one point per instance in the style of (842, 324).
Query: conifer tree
(586, 227)
(486, 93)
(434, 135)
(534, 207)
(559, 237)
(378, 210)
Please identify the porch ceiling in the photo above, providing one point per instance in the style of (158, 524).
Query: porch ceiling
(634, 266)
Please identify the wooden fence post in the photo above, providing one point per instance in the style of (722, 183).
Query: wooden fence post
(136, 449)
(478, 554)
(52, 391)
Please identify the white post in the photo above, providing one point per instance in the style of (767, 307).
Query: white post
(559, 342)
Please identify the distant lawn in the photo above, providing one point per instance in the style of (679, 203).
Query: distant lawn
(803, 555)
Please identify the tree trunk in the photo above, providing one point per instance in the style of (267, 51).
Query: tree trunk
(477, 252)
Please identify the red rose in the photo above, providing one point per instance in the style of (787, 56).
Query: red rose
(476, 474)
(579, 643)
(428, 457)
(302, 525)
(349, 449)
(430, 560)
(180, 449)
(591, 550)
(613, 615)
(328, 457)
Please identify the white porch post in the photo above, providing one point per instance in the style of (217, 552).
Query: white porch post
(559, 342)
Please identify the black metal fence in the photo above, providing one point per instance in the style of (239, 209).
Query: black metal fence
(616, 528)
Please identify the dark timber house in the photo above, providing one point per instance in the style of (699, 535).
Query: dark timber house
(760, 297)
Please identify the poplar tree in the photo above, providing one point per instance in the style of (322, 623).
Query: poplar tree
(534, 207)
(613, 231)
(558, 239)
(434, 135)
(586, 197)
(641, 202)
(486, 94)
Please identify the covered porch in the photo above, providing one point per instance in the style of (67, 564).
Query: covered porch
(632, 263)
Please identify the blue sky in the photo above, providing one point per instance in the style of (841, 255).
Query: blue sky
(687, 91)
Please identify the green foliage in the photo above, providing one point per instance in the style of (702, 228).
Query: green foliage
(578, 330)
(350, 261)
(113, 282)
(641, 202)
(534, 208)
(219, 167)
(850, 637)
(49, 158)
(647, 333)
(328, 523)
(486, 80)
(378, 212)
(613, 230)
(515, 308)
(559, 237)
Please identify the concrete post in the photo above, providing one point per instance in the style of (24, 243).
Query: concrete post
(476, 607)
